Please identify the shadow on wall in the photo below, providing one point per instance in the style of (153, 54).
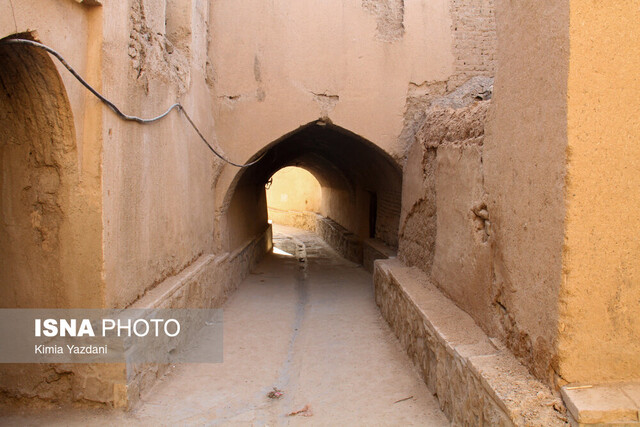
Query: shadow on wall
(360, 184)
(38, 161)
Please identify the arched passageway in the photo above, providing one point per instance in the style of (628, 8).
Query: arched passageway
(361, 184)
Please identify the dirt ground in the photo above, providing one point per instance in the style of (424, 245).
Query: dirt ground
(304, 322)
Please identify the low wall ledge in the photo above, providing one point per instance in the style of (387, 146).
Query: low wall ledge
(476, 380)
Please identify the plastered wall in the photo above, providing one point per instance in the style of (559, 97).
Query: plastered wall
(158, 182)
(281, 65)
(599, 322)
(445, 228)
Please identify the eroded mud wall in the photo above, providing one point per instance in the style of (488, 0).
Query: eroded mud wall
(159, 179)
(51, 227)
(51, 208)
(39, 170)
(525, 157)
(483, 199)
(446, 227)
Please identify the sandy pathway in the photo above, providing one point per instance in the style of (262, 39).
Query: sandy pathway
(309, 328)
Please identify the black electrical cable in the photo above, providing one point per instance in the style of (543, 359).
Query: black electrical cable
(116, 110)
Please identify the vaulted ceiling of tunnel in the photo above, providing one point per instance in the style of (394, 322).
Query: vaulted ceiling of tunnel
(330, 153)
(360, 182)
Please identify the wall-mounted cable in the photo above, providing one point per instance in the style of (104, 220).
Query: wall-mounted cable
(116, 110)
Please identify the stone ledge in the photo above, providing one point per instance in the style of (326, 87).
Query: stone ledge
(373, 249)
(476, 382)
(603, 404)
(206, 283)
(339, 238)
(161, 294)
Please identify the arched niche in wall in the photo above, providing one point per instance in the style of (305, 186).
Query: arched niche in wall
(38, 171)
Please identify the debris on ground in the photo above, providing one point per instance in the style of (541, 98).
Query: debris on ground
(402, 400)
(275, 393)
(305, 412)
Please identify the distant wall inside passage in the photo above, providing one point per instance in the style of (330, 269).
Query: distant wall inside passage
(294, 196)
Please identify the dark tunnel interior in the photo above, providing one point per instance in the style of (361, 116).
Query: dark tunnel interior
(361, 184)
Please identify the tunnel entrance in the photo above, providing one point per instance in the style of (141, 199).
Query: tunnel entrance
(359, 184)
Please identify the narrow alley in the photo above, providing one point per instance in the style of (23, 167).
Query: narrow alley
(304, 322)
(406, 212)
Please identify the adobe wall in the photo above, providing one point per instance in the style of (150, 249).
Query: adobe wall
(136, 179)
(51, 203)
(279, 66)
(51, 189)
(599, 321)
(445, 228)
(483, 198)
(524, 215)
(135, 203)
(159, 179)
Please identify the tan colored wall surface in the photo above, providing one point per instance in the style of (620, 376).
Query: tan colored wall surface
(158, 184)
(60, 182)
(446, 229)
(462, 261)
(50, 151)
(283, 64)
(524, 163)
(294, 189)
(600, 312)
(279, 65)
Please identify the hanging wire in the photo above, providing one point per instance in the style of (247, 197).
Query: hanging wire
(118, 112)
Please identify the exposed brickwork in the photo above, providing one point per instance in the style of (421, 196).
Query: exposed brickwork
(474, 40)
(388, 216)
